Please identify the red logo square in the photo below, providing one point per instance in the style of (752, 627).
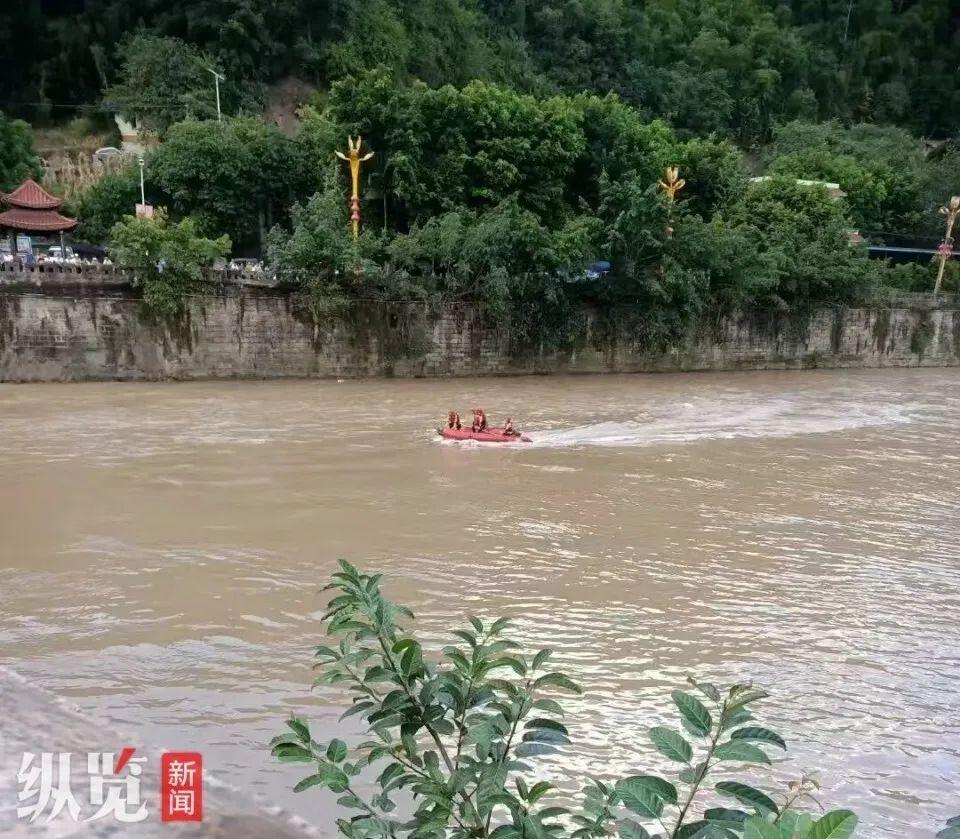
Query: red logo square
(181, 787)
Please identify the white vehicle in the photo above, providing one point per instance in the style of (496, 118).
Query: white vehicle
(56, 254)
(106, 154)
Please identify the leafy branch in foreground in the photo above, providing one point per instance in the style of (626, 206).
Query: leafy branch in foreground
(454, 739)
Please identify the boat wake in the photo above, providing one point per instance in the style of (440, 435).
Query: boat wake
(693, 422)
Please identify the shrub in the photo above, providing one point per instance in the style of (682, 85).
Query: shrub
(457, 736)
(169, 258)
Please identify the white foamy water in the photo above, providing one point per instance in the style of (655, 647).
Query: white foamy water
(728, 419)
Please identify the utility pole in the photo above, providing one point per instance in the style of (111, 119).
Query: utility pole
(945, 251)
(143, 192)
(217, 78)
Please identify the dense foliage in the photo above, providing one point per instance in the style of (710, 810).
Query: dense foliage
(18, 156)
(168, 258)
(458, 736)
(704, 65)
(519, 141)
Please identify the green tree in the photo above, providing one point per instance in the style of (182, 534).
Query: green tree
(318, 255)
(880, 168)
(473, 148)
(459, 735)
(803, 231)
(714, 170)
(162, 81)
(239, 176)
(99, 207)
(168, 259)
(18, 155)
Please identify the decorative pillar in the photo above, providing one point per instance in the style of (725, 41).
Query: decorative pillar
(355, 160)
(945, 251)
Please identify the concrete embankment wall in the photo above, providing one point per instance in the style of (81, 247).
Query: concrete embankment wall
(60, 328)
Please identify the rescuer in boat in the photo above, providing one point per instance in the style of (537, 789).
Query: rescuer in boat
(453, 420)
(479, 421)
(508, 429)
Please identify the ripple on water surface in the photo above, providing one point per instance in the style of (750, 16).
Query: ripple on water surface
(166, 544)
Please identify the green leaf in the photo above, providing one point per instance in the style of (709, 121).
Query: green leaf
(733, 819)
(542, 722)
(748, 795)
(837, 824)
(476, 623)
(741, 695)
(292, 754)
(350, 800)
(545, 735)
(534, 749)
(557, 680)
(759, 828)
(741, 751)
(702, 830)
(693, 774)
(538, 790)
(540, 658)
(357, 708)
(693, 711)
(760, 735)
(707, 689)
(548, 705)
(300, 728)
(337, 751)
(671, 745)
(510, 661)
(334, 778)
(466, 635)
(645, 795)
(629, 829)
(793, 824)
(499, 625)
(951, 831)
(318, 780)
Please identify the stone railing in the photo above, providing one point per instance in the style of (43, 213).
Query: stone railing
(53, 275)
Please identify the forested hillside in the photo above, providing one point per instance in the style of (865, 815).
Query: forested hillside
(734, 66)
(516, 142)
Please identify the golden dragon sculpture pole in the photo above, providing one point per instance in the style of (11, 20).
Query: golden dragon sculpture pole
(355, 160)
(671, 184)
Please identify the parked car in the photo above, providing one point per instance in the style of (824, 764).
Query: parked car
(106, 154)
(55, 254)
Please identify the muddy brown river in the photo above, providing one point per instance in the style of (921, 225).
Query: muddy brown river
(162, 547)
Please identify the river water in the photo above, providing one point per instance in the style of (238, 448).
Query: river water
(163, 545)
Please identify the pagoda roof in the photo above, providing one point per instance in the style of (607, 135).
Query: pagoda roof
(31, 196)
(36, 221)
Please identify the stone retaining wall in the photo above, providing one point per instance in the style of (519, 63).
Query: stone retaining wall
(56, 329)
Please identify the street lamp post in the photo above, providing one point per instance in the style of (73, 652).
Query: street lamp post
(217, 78)
(945, 251)
(143, 192)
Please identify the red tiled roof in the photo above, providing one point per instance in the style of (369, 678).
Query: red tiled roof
(36, 221)
(31, 196)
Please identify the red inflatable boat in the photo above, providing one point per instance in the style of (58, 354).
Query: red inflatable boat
(491, 435)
